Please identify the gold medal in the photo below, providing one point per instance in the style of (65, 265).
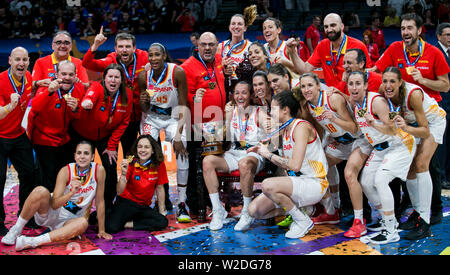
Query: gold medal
(318, 110)
(212, 85)
(243, 143)
(150, 92)
(130, 158)
(392, 115)
(362, 112)
(409, 69)
(110, 119)
(67, 96)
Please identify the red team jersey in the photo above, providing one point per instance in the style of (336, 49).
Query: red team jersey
(142, 182)
(99, 65)
(96, 124)
(431, 64)
(322, 57)
(10, 126)
(49, 117)
(45, 68)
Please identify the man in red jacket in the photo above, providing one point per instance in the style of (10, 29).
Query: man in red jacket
(44, 70)
(133, 62)
(15, 94)
(206, 89)
(52, 110)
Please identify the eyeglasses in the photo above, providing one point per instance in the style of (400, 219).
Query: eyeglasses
(59, 43)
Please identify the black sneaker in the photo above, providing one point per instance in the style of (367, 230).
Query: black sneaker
(182, 213)
(411, 223)
(422, 230)
(3, 229)
(385, 237)
(436, 217)
(376, 227)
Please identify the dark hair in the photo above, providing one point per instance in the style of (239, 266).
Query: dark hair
(195, 34)
(163, 50)
(263, 74)
(440, 28)
(122, 88)
(287, 99)
(402, 88)
(412, 16)
(275, 20)
(125, 36)
(261, 46)
(360, 56)
(363, 75)
(81, 142)
(279, 69)
(157, 156)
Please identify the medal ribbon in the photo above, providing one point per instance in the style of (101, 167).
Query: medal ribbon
(392, 108)
(364, 103)
(319, 102)
(207, 71)
(82, 173)
(161, 77)
(242, 127)
(421, 46)
(130, 79)
(69, 92)
(114, 103)
(13, 83)
(286, 124)
(237, 45)
(338, 55)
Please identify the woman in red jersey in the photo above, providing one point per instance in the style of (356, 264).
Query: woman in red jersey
(105, 114)
(142, 174)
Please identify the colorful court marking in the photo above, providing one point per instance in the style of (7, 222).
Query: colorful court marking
(196, 238)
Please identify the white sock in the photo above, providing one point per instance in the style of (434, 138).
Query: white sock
(181, 193)
(42, 239)
(215, 201)
(358, 214)
(296, 214)
(411, 186)
(20, 223)
(425, 192)
(333, 180)
(247, 201)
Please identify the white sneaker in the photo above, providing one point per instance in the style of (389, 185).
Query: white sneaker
(299, 229)
(244, 222)
(385, 237)
(11, 236)
(219, 216)
(24, 242)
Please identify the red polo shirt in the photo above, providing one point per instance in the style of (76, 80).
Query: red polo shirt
(44, 68)
(142, 182)
(431, 65)
(313, 33)
(99, 65)
(49, 117)
(321, 57)
(11, 125)
(97, 123)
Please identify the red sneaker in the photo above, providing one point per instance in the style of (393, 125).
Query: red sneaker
(325, 218)
(357, 230)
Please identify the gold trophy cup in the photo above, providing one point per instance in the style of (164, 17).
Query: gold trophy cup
(212, 144)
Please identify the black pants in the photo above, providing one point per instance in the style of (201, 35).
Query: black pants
(51, 159)
(110, 168)
(143, 217)
(435, 173)
(129, 136)
(20, 152)
(197, 197)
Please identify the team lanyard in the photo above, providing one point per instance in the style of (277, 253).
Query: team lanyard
(242, 127)
(207, 71)
(69, 92)
(114, 103)
(319, 102)
(392, 108)
(82, 174)
(13, 83)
